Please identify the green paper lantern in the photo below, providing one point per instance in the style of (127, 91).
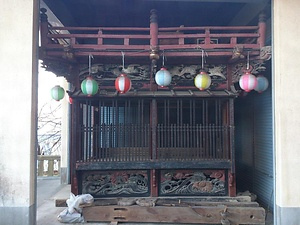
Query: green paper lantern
(89, 86)
(57, 93)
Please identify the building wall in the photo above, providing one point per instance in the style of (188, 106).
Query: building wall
(18, 69)
(254, 145)
(286, 53)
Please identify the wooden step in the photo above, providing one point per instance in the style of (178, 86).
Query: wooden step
(178, 201)
(219, 214)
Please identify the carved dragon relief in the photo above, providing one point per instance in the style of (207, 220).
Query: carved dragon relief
(193, 183)
(116, 183)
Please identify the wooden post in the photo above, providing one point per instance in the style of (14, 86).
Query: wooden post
(231, 172)
(153, 29)
(262, 30)
(100, 39)
(153, 172)
(207, 37)
(154, 49)
(75, 148)
(44, 27)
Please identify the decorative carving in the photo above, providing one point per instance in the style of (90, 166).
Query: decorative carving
(217, 72)
(237, 53)
(43, 15)
(193, 182)
(181, 75)
(68, 52)
(116, 183)
(265, 53)
(238, 69)
(189, 72)
(112, 71)
(59, 68)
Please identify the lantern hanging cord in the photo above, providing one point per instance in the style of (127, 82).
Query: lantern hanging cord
(123, 59)
(248, 60)
(203, 58)
(163, 54)
(90, 63)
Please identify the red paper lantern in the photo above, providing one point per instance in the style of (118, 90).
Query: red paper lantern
(122, 83)
(70, 100)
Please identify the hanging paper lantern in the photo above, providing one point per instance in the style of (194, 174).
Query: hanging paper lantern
(262, 84)
(57, 93)
(163, 77)
(123, 83)
(248, 81)
(202, 81)
(70, 100)
(89, 86)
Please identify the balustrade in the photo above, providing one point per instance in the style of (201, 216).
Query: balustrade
(51, 162)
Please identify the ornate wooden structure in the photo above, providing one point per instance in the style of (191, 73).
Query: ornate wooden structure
(153, 141)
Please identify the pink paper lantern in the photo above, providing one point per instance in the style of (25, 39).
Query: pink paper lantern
(248, 81)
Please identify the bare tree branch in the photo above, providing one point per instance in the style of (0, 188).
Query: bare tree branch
(49, 129)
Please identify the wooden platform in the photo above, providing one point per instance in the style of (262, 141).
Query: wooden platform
(206, 210)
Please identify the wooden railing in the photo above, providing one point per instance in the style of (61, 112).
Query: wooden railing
(139, 41)
(188, 40)
(133, 143)
(49, 162)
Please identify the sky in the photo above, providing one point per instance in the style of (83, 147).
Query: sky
(47, 80)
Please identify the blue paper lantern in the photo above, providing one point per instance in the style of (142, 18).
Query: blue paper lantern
(262, 84)
(163, 77)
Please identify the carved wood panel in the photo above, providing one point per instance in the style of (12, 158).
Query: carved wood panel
(192, 182)
(116, 183)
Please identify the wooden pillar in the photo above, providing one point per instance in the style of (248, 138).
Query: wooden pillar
(74, 146)
(231, 172)
(153, 29)
(154, 48)
(262, 30)
(153, 172)
(44, 27)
